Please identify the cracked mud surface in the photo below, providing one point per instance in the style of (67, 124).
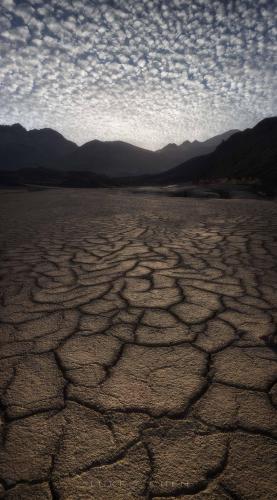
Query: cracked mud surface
(137, 347)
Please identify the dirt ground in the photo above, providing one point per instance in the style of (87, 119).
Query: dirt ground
(137, 346)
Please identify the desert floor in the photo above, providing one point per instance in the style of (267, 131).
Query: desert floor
(137, 346)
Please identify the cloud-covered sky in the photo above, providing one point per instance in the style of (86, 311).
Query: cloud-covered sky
(148, 72)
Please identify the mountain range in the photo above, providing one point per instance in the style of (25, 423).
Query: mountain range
(20, 148)
(47, 148)
(187, 150)
(45, 156)
(250, 153)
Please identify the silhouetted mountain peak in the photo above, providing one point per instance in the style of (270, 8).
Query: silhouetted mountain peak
(251, 153)
(45, 131)
(15, 128)
(46, 147)
(267, 123)
(174, 155)
(169, 147)
(21, 148)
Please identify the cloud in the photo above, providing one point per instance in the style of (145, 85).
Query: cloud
(7, 4)
(148, 72)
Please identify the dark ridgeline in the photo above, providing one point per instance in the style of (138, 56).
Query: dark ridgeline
(251, 153)
(187, 150)
(46, 157)
(49, 149)
(28, 157)
(20, 148)
(120, 159)
(113, 158)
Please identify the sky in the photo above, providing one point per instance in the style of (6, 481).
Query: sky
(148, 72)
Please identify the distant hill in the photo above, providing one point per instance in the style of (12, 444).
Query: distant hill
(20, 148)
(114, 159)
(250, 153)
(47, 148)
(174, 154)
(120, 159)
(48, 158)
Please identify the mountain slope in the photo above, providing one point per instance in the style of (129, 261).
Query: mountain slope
(178, 154)
(120, 159)
(20, 148)
(250, 153)
(114, 158)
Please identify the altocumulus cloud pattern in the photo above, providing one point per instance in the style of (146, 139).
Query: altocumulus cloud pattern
(148, 72)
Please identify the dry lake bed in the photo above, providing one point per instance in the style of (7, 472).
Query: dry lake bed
(137, 346)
